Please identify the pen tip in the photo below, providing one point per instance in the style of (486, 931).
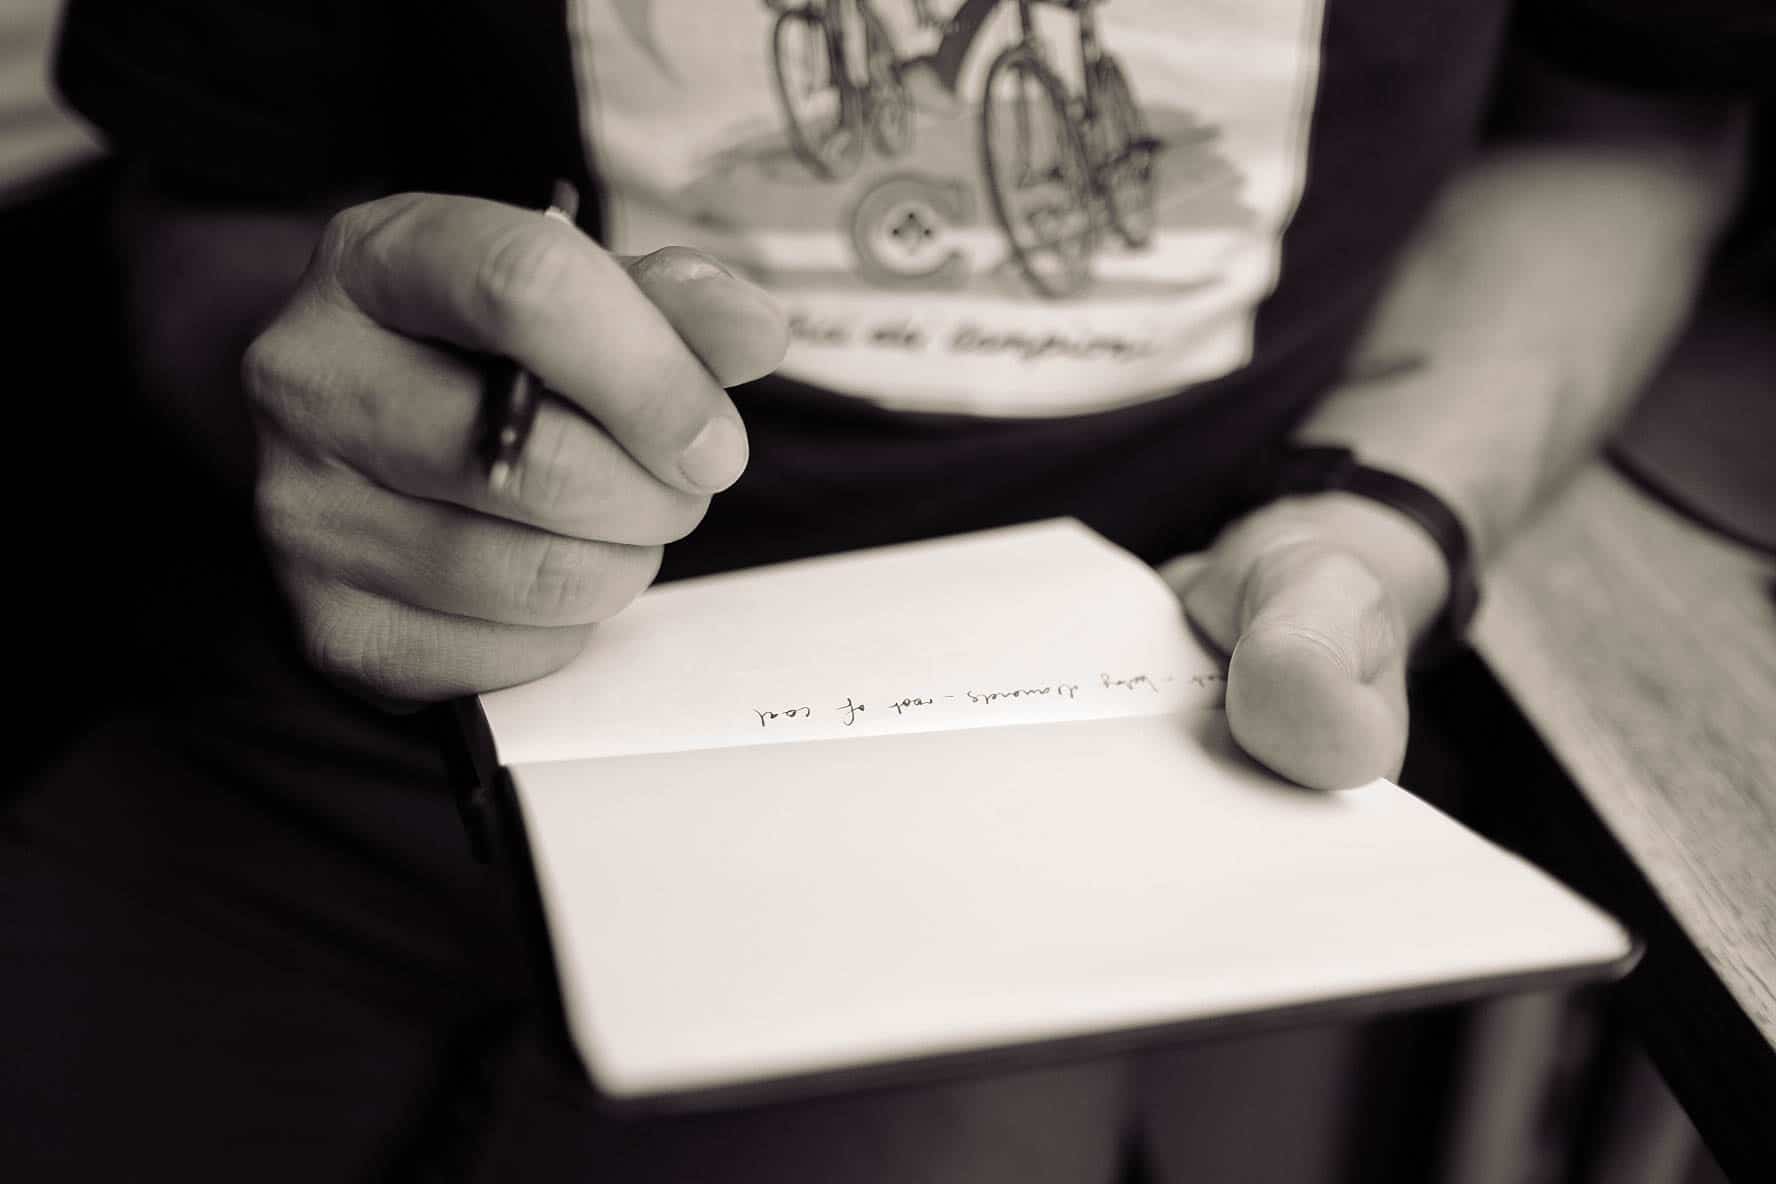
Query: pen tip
(498, 475)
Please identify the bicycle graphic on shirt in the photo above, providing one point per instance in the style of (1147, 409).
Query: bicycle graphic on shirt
(1059, 165)
(828, 107)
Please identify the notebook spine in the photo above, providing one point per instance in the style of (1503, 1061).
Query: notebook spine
(472, 764)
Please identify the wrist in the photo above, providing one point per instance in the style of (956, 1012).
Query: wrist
(1313, 470)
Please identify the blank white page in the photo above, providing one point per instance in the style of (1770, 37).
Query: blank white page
(1027, 624)
(726, 915)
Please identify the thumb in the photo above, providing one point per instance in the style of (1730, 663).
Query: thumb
(1316, 687)
(734, 327)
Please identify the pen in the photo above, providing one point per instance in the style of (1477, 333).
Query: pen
(512, 393)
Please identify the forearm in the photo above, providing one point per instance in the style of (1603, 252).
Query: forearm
(1536, 298)
(201, 279)
(1525, 312)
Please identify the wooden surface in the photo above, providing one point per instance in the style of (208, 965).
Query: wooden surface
(1642, 649)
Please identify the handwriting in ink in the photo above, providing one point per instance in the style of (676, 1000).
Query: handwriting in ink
(765, 717)
(1064, 690)
(1130, 683)
(1203, 680)
(850, 709)
(901, 705)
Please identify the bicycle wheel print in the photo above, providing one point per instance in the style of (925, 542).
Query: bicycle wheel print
(1124, 155)
(823, 115)
(1036, 172)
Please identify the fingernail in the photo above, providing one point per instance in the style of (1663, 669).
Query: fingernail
(703, 267)
(717, 457)
(682, 263)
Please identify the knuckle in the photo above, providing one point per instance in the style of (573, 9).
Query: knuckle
(289, 382)
(550, 480)
(524, 275)
(311, 509)
(561, 580)
(269, 367)
(344, 639)
(343, 233)
(570, 582)
(355, 257)
(282, 505)
(573, 484)
(357, 228)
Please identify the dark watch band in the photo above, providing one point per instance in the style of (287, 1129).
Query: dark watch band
(1332, 469)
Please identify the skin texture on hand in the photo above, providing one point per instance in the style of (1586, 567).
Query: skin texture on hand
(410, 577)
(1534, 296)
(1316, 602)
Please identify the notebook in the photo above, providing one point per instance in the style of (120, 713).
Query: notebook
(964, 802)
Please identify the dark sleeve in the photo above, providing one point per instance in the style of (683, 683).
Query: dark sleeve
(259, 98)
(1700, 47)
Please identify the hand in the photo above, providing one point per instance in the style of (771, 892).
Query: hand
(1316, 600)
(409, 577)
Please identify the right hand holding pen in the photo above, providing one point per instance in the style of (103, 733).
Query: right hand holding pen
(409, 576)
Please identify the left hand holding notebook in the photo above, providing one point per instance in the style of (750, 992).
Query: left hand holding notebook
(410, 575)
(1316, 600)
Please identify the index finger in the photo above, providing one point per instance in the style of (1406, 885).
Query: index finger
(511, 282)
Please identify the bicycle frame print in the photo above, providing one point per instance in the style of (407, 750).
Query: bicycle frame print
(1091, 49)
(853, 41)
(1089, 168)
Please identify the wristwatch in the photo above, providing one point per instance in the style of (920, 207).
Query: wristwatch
(1327, 468)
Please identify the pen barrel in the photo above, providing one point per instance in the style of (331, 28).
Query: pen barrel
(513, 397)
(510, 393)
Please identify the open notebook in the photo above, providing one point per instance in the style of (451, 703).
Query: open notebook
(802, 823)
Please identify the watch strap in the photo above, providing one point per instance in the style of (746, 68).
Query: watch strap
(1326, 468)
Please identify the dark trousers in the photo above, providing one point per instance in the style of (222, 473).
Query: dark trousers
(243, 937)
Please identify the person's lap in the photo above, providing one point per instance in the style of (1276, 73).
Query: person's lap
(254, 944)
